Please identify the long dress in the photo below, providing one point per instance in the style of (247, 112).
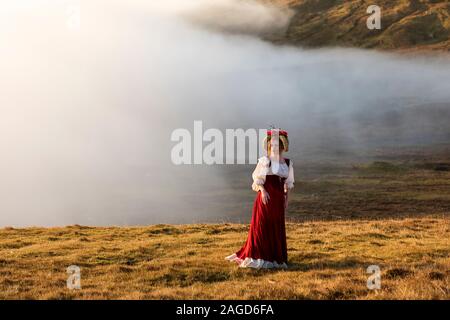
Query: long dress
(266, 245)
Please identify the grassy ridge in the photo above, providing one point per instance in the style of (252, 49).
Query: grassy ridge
(328, 260)
(406, 24)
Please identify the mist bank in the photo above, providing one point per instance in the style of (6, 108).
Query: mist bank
(86, 114)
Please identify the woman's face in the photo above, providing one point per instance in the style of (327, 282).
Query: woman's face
(275, 147)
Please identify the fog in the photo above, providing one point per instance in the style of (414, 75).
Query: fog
(87, 111)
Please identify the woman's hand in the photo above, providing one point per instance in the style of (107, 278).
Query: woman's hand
(286, 200)
(264, 196)
(286, 196)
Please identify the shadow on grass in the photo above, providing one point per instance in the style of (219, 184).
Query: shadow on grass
(348, 263)
(295, 266)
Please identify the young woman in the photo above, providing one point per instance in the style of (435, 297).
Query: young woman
(273, 177)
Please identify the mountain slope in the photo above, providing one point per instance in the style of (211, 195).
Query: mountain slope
(406, 24)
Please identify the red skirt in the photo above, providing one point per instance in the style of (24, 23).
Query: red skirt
(266, 245)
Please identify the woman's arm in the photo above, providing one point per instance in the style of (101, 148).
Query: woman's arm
(289, 184)
(259, 174)
(290, 180)
(259, 178)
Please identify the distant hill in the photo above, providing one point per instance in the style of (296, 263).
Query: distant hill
(406, 24)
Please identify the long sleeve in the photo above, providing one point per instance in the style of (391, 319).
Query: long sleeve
(260, 172)
(289, 183)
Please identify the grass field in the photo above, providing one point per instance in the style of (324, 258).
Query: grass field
(390, 211)
(327, 260)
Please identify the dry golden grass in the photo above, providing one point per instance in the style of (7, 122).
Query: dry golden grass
(327, 260)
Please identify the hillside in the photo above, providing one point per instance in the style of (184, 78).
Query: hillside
(406, 24)
(328, 260)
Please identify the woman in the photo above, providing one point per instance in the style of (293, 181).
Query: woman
(273, 178)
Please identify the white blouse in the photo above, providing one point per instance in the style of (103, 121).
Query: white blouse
(281, 169)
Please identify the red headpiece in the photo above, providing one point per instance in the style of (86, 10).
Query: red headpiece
(280, 132)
